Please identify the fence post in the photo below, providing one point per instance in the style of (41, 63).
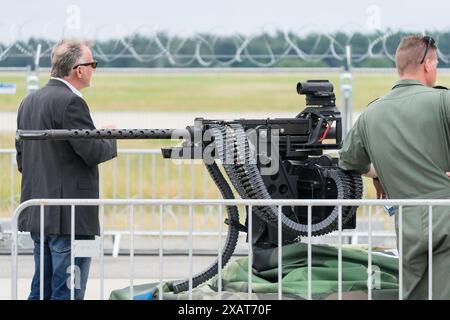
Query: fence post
(309, 253)
(280, 255)
(250, 250)
(430, 253)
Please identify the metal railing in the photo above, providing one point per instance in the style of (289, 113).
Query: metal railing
(134, 174)
(190, 203)
(139, 174)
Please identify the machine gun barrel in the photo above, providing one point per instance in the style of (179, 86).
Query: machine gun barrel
(64, 134)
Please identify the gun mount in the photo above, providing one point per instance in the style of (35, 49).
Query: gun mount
(280, 158)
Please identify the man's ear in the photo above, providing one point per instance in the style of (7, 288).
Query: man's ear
(78, 72)
(428, 65)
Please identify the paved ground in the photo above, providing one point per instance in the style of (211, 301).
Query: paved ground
(116, 271)
(146, 266)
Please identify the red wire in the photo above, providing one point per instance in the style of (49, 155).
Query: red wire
(326, 132)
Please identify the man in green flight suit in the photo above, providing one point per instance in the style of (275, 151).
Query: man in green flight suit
(402, 141)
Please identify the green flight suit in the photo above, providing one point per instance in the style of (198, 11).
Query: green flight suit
(406, 136)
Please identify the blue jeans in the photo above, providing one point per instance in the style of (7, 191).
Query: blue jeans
(57, 269)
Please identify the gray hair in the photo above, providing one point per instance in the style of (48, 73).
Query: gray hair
(65, 54)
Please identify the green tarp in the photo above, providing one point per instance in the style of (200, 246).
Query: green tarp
(294, 276)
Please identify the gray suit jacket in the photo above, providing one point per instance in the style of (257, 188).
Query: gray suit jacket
(57, 168)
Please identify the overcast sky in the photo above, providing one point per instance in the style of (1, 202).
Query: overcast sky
(102, 19)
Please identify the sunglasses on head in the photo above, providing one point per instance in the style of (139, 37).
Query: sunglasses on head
(430, 43)
(93, 64)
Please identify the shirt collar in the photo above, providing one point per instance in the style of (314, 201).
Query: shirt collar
(71, 87)
(406, 83)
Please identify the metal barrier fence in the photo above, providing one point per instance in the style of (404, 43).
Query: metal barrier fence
(134, 174)
(191, 203)
(141, 174)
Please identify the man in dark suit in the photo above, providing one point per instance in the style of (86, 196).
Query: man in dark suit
(61, 169)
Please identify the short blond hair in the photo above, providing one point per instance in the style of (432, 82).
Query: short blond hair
(409, 53)
(65, 55)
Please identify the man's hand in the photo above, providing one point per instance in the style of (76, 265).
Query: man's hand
(372, 173)
(381, 194)
(448, 174)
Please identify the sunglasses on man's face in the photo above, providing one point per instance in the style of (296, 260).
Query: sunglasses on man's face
(430, 43)
(93, 64)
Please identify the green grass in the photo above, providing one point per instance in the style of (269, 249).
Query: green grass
(211, 92)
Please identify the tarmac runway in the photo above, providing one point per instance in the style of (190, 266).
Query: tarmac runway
(117, 270)
(116, 273)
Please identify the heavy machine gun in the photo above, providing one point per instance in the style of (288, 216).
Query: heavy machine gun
(282, 158)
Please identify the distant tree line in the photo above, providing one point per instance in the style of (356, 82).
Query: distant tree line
(279, 49)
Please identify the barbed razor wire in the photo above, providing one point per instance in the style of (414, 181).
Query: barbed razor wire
(148, 47)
